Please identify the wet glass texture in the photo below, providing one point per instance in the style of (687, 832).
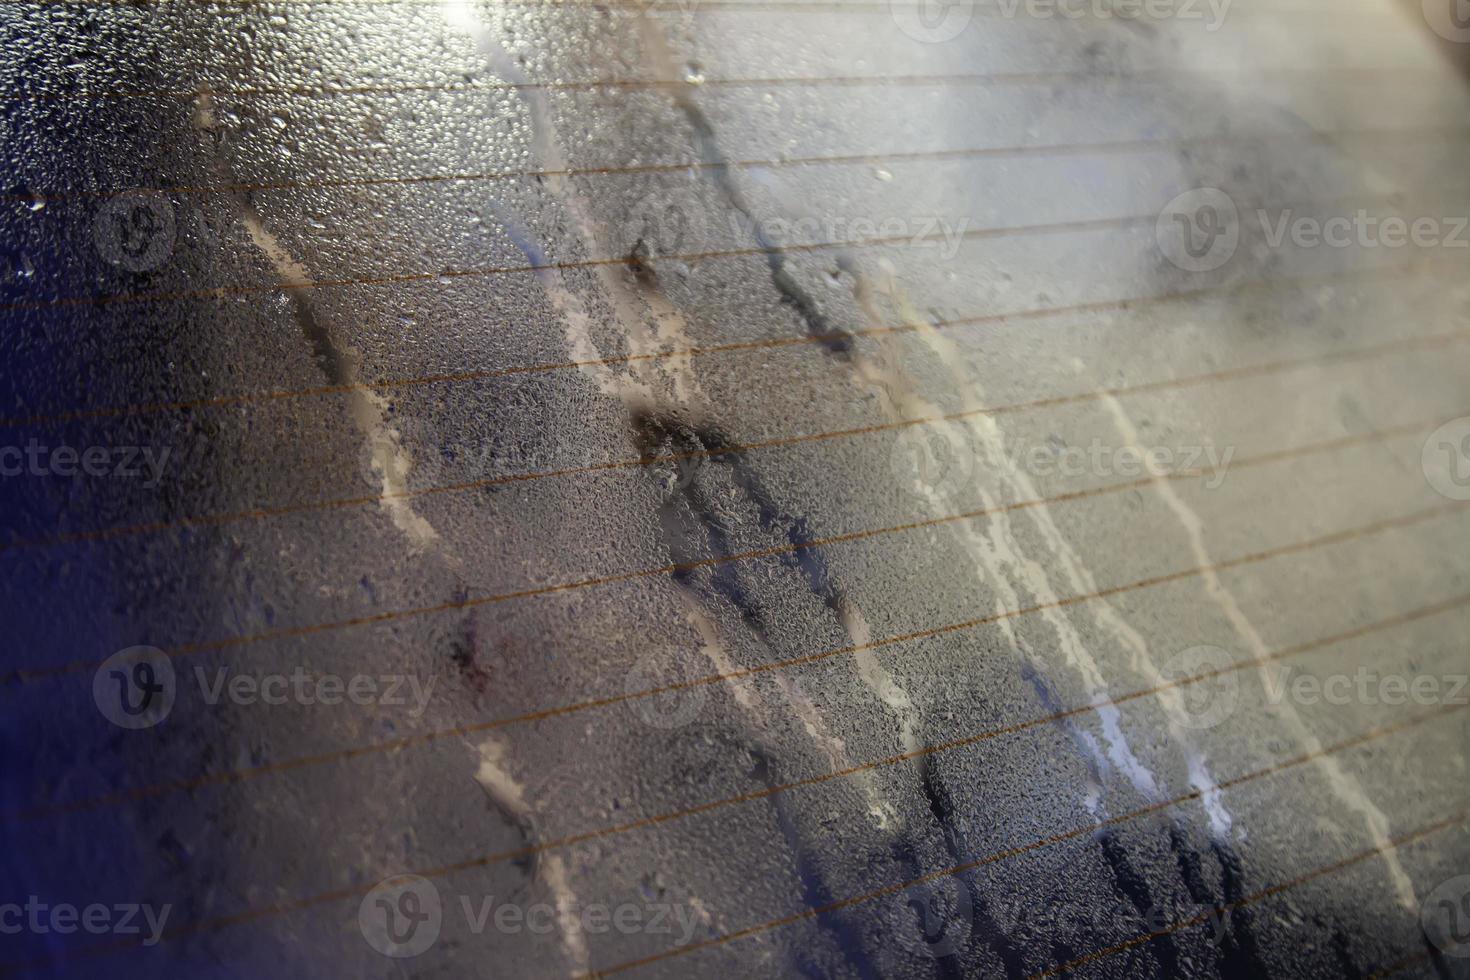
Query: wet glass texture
(761, 488)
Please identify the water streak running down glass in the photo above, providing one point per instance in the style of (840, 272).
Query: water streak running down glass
(768, 488)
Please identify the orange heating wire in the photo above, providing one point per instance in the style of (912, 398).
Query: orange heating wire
(844, 81)
(1079, 832)
(296, 905)
(1255, 897)
(235, 776)
(689, 7)
(1258, 896)
(248, 639)
(447, 276)
(874, 330)
(1430, 342)
(242, 775)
